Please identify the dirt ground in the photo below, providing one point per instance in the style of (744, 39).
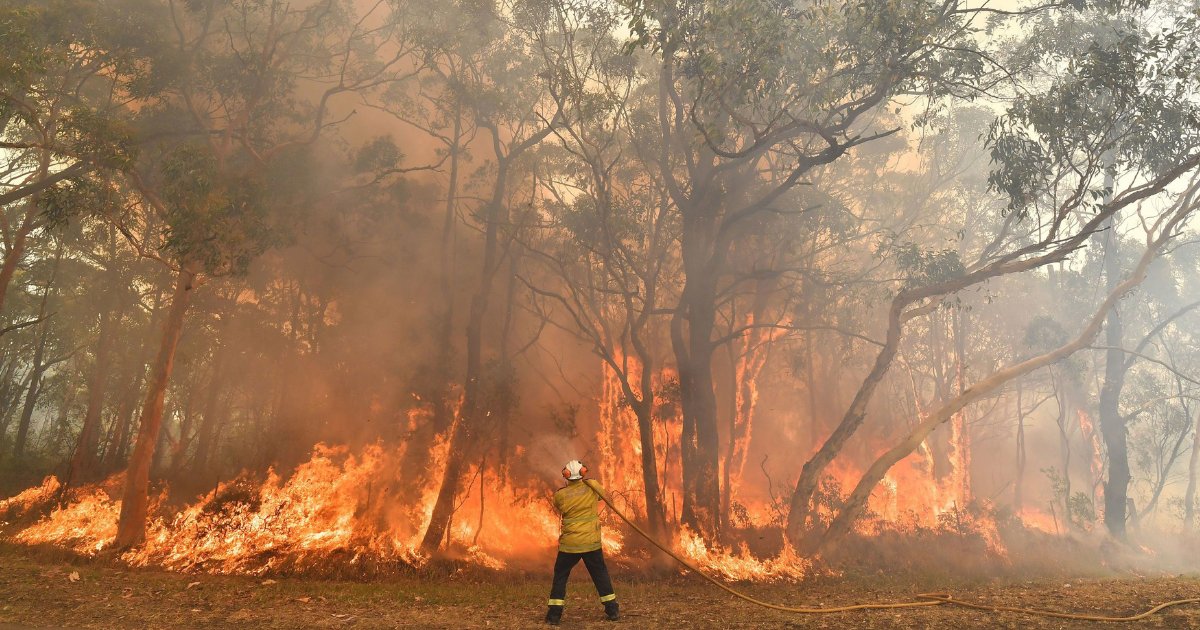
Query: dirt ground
(38, 590)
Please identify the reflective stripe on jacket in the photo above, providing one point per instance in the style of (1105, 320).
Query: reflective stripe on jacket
(580, 521)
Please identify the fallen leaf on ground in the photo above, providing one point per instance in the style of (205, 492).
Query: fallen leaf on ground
(73, 577)
(268, 582)
(191, 584)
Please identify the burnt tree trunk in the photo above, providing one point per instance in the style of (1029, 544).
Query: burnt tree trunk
(131, 528)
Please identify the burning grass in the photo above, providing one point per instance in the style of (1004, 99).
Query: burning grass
(338, 515)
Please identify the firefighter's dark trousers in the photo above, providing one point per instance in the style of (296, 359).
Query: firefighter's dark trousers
(594, 561)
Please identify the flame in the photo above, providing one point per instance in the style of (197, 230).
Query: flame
(743, 566)
(21, 504)
(342, 508)
(86, 526)
(1092, 438)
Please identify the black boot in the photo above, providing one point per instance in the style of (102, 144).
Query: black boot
(612, 611)
(554, 615)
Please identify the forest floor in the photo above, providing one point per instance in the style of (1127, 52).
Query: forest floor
(40, 590)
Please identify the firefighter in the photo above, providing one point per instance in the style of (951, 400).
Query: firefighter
(580, 540)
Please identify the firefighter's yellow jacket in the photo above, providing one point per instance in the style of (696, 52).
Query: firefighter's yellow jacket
(580, 521)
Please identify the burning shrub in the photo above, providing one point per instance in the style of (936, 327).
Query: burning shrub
(31, 501)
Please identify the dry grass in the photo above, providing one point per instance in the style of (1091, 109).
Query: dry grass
(37, 590)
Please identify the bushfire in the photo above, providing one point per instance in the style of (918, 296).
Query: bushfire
(340, 512)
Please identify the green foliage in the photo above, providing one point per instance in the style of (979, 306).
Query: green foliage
(378, 156)
(79, 197)
(921, 267)
(216, 217)
(1127, 101)
(1080, 510)
(1044, 333)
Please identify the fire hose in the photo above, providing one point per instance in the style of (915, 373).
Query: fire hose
(922, 600)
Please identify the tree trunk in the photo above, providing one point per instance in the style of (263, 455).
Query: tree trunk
(960, 428)
(415, 464)
(1019, 483)
(747, 369)
(856, 503)
(463, 432)
(656, 515)
(8, 268)
(699, 443)
(131, 528)
(208, 426)
(31, 396)
(83, 463)
(691, 339)
(1064, 440)
(1189, 496)
(118, 448)
(38, 367)
(1112, 424)
(799, 509)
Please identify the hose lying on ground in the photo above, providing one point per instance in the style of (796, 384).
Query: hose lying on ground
(922, 600)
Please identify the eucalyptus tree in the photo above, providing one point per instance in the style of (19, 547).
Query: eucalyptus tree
(64, 123)
(752, 99)
(256, 87)
(507, 98)
(603, 263)
(1125, 106)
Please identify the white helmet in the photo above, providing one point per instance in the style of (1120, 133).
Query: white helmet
(574, 470)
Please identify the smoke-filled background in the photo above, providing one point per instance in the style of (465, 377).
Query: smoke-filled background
(355, 279)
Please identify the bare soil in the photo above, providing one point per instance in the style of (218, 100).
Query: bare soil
(45, 590)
